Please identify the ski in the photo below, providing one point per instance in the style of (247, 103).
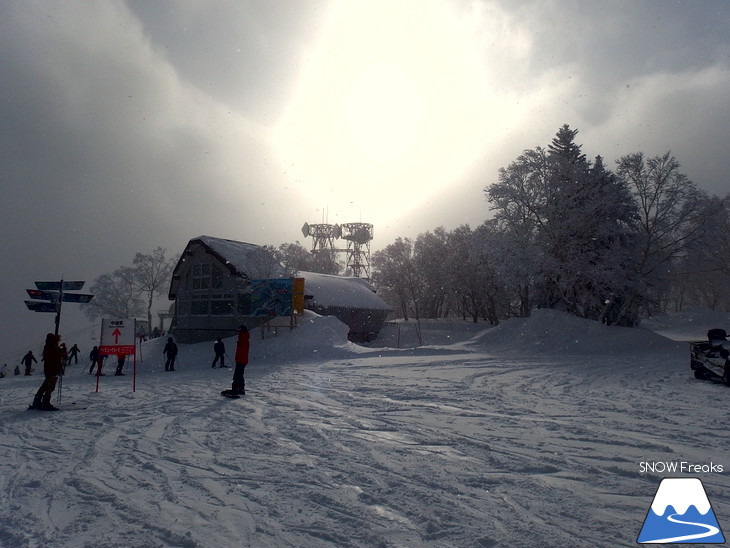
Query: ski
(72, 406)
(230, 394)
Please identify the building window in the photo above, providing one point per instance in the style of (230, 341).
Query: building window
(221, 304)
(207, 276)
(201, 276)
(200, 305)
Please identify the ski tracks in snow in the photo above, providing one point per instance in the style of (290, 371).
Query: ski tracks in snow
(376, 450)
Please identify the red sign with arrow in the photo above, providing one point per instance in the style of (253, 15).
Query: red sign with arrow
(117, 336)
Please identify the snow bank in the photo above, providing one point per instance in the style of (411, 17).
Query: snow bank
(690, 324)
(554, 332)
(315, 338)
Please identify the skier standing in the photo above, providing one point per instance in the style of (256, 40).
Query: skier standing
(52, 368)
(170, 351)
(242, 345)
(27, 361)
(93, 358)
(73, 354)
(220, 351)
(120, 365)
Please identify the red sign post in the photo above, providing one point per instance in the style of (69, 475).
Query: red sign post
(117, 338)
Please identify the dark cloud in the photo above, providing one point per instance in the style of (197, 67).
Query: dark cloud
(130, 125)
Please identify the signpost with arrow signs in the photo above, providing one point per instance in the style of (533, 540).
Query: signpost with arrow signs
(53, 295)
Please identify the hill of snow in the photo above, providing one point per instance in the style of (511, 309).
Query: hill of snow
(554, 332)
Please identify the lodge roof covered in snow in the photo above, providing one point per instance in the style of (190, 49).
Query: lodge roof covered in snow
(242, 259)
(351, 292)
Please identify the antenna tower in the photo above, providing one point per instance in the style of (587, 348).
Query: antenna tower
(358, 237)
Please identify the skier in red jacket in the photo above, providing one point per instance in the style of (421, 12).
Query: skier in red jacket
(239, 384)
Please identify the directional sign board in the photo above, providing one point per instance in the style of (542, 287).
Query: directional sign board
(53, 296)
(117, 336)
(37, 306)
(57, 286)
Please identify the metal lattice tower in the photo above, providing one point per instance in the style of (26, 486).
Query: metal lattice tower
(323, 236)
(358, 237)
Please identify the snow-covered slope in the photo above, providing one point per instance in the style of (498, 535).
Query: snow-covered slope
(528, 434)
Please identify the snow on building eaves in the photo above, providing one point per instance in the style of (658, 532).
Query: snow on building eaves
(328, 290)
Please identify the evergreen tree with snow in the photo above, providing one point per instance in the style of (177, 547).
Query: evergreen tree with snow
(575, 217)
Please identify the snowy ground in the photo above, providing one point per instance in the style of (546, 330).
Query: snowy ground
(528, 434)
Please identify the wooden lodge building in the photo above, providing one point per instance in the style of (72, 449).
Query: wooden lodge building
(211, 290)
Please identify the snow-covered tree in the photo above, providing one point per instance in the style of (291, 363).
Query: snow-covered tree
(573, 218)
(294, 258)
(702, 275)
(115, 295)
(396, 276)
(474, 278)
(150, 276)
(672, 215)
(129, 291)
(432, 257)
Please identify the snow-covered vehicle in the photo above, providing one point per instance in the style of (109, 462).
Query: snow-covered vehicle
(710, 359)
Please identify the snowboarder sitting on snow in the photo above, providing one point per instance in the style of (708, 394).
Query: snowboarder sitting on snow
(52, 368)
(220, 351)
(27, 361)
(239, 383)
(170, 351)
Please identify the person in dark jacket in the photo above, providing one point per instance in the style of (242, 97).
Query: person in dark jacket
(242, 345)
(170, 351)
(52, 367)
(120, 365)
(27, 361)
(220, 351)
(93, 358)
(73, 354)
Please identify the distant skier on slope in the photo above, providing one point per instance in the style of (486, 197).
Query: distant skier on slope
(27, 361)
(73, 354)
(170, 351)
(220, 351)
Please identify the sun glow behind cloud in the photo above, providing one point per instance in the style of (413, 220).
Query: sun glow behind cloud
(392, 105)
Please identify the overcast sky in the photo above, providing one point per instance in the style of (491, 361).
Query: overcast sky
(131, 125)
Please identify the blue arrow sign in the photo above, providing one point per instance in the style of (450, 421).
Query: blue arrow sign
(37, 306)
(56, 286)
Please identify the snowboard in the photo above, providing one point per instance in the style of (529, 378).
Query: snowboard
(229, 394)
